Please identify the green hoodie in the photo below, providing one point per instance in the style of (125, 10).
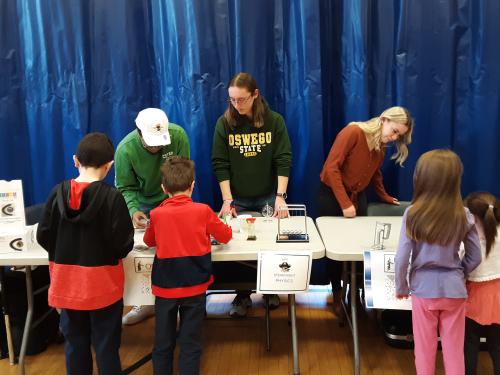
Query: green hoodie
(252, 158)
(138, 175)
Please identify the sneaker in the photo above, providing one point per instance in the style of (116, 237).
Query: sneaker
(274, 301)
(241, 303)
(138, 314)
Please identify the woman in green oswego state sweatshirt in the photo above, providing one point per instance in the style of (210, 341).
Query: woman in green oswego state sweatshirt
(251, 157)
(251, 153)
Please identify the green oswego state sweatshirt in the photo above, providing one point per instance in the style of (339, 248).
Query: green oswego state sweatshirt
(137, 171)
(252, 158)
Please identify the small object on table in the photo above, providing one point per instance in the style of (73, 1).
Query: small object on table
(144, 222)
(267, 212)
(382, 232)
(294, 227)
(140, 247)
(251, 229)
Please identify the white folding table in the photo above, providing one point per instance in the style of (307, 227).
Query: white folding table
(240, 249)
(346, 240)
(34, 256)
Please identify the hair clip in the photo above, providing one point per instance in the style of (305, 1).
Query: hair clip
(491, 207)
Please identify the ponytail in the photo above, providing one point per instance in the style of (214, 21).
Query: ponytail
(490, 223)
(486, 208)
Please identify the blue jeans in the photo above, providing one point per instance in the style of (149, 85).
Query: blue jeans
(146, 208)
(101, 329)
(254, 204)
(192, 314)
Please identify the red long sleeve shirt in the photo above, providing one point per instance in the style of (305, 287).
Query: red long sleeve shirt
(351, 167)
(181, 229)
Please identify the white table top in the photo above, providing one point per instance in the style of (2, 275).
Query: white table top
(34, 256)
(347, 239)
(237, 249)
(240, 249)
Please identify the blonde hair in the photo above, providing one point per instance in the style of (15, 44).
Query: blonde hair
(373, 131)
(437, 213)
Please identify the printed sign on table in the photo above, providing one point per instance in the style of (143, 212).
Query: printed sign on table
(12, 220)
(138, 266)
(380, 286)
(285, 272)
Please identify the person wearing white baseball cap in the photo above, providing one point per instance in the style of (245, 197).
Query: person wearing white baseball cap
(138, 159)
(153, 126)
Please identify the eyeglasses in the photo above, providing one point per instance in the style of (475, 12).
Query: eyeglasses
(235, 101)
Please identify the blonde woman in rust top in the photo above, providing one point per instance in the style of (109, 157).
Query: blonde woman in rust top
(354, 163)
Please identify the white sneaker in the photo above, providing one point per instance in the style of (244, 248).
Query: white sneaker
(138, 314)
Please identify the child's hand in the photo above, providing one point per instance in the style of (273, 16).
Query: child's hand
(401, 296)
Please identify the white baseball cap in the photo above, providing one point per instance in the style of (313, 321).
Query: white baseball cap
(153, 124)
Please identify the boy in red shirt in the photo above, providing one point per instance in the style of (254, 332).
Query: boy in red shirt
(182, 269)
(86, 229)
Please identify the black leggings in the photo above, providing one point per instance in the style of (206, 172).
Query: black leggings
(473, 332)
(328, 206)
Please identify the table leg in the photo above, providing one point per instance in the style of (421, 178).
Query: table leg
(291, 301)
(29, 316)
(289, 313)
(10, 343)
(8, 330)
(354, 318)
(268, 325)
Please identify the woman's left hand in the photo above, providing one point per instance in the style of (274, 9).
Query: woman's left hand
(278, 203)
(395, 201)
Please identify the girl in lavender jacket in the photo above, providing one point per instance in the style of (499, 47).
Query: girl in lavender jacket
(433, 228)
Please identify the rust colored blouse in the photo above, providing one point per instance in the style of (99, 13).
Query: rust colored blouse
(351, 167)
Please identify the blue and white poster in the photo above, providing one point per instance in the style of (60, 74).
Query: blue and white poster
(380, 287)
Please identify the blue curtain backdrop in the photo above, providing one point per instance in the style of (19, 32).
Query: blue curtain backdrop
(75, 66)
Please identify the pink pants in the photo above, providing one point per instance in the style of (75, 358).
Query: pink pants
(446, 315)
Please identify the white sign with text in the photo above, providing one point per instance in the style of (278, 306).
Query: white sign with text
(283, 272)
(138, 266)
(12, 221)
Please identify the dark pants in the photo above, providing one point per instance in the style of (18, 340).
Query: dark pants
(328, 206)
(235, 273)
(254, 204)
(473, 332)
(192, 313)
(101, 329)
